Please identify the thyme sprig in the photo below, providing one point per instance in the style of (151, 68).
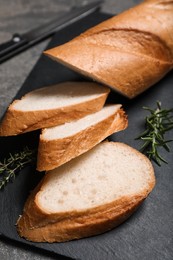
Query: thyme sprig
(157, 124)
(10, 166)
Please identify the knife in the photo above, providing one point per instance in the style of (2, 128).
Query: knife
(21, 42)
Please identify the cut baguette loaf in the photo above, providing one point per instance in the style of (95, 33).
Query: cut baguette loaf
(53, 105)
(129, 52)
(60, 144)
(88, 195)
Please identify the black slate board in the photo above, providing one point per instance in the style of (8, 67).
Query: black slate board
(148, 234)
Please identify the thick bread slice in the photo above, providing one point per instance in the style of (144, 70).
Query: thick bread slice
(60, 144)
(53, 105)
(88, 195)
(129, 52)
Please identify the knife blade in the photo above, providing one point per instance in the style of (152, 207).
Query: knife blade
(21, 42)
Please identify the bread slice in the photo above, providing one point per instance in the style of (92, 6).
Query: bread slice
(60, 144)
(88, 195)
(129, 52)
(53, 105)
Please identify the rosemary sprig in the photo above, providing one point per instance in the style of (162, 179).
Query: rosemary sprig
(12, 165)
(157, 124)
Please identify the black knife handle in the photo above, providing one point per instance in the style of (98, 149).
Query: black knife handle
(13, 44)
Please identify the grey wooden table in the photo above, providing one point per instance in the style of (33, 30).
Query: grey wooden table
(20, 16)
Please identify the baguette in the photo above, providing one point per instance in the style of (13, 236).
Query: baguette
(89, 195)
(53, 105)
(60, 144)
(129, 52)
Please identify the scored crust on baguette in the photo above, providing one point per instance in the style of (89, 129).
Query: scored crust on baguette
(129, 52)
(60, 144)
(53, 105)
(89, 195)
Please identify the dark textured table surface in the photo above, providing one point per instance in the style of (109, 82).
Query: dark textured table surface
(20, 16)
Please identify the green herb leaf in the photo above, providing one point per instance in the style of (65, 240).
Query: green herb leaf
(157, 124)
(14, 163)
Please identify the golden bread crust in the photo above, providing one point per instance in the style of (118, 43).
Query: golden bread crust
(18, 122)
(129, 52)
(40, 226)
(53, 153)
